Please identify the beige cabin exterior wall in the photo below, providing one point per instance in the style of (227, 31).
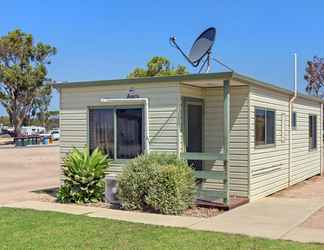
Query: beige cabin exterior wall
(163, 121)
(305, 162)
(270, 166)
(269, 163)
(213, 131)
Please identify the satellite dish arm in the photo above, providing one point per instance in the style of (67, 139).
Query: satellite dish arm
(224, 65)
(175, 45)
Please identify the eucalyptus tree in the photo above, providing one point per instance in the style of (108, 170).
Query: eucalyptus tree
(23, 71)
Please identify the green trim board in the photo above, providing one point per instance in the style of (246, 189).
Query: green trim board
(211, 194)
(210, 174)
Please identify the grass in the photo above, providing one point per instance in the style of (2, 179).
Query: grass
(29, 229)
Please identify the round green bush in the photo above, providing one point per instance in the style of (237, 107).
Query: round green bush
(158, 182)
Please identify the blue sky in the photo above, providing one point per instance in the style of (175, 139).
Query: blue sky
(107, 39)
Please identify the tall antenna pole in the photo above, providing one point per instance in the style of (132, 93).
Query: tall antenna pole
(296, 73)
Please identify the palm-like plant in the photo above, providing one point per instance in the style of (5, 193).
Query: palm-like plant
(84, 175)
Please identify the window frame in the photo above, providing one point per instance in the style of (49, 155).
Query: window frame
(310, 142)
(114, 108)
(265, 145)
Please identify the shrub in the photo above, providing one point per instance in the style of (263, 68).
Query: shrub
(84, 175)
(159, 182)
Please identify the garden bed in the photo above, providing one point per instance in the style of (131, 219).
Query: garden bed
(49, 195)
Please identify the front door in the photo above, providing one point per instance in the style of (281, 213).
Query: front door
(194, 130)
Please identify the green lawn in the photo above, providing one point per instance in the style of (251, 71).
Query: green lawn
(28, 229)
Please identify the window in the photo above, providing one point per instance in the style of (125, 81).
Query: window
(264, 126)
(118, 132)
(312, 131)
(294, 120)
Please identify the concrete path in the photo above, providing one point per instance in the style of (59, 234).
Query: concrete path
(114, 214)
(274, 218)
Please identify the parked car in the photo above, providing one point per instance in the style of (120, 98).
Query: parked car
(32, 130)
(55, 134)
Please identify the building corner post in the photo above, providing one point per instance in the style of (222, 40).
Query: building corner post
(227, 139)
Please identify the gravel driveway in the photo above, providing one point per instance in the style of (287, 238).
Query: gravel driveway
(23, 170)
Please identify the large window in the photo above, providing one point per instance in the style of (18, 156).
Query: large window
(119, 132)
(312, 122)
(264, 126)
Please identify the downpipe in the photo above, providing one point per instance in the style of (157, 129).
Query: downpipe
(290, 108)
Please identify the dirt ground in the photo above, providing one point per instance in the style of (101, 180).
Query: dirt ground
(312, 188)
(23, 171)
(309, 189)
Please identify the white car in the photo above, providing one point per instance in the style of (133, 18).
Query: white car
(55, 134)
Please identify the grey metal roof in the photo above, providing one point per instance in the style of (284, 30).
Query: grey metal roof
(189, 77)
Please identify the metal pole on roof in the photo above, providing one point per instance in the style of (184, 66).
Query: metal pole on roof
(296, 75)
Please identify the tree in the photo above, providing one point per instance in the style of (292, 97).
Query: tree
(22, 73)
(314, 75)
(41, 104)
(158, 66)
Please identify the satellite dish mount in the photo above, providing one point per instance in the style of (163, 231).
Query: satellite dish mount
(200, 50)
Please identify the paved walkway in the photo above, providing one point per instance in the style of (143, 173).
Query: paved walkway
(275, 218)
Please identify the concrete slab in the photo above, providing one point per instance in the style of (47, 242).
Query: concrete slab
(148, 218)
(53, 207)
(307, 235)
(269, 217)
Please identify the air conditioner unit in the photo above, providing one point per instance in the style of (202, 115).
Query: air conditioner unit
(111, 189)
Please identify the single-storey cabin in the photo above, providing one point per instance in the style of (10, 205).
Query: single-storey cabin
(244, 137)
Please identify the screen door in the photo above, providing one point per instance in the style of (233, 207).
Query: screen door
(194, 130)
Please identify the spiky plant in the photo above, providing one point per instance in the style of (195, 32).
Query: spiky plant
(84, 175)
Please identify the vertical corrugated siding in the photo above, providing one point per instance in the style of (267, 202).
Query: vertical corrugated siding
(269, 165)
(305, 163)
(213, 101)
(162, 114)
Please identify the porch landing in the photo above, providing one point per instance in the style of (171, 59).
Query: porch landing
(234, 201)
